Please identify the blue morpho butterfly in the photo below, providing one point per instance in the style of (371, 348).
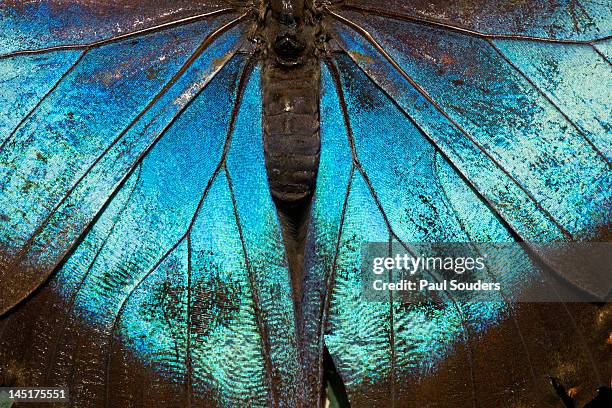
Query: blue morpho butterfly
(186, 187)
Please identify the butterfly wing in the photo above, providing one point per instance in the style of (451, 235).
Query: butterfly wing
(481, 94)
(83, 129)
(404, 189)
(171, 298)
(133, 186)
(496, 118)
(142, 261)
(451, 141)
(557, 20)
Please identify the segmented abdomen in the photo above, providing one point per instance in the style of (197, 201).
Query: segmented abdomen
(291, 129)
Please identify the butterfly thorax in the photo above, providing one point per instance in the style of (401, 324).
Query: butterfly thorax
(290, 81)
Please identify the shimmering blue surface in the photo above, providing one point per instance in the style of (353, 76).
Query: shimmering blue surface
(76, 147)
(425, 200)
(175, 293)
(605, 47)
(575, 78)
(118, 273)
(182, 271)
(495, 127)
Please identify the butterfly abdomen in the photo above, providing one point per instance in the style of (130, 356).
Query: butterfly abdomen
(290, 83)
(291, 129)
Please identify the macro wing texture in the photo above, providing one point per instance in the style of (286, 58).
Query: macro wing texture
(141, 261)
(141, 257)
(458, 123)
(79, 125)
(530, 117)
(571, 20)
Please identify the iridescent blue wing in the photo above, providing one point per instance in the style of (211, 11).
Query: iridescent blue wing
(84, 118)
(497, 120)
(180, 290)
(506, 101)
(142, 261)
(453, 140)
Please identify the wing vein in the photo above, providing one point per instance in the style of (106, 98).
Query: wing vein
(449, 205)
(71, 303)
(579, 333)
(601, 54)
(263, 332)
(474, 188)
(330, 278)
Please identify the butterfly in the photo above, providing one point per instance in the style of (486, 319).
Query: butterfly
(186, 188)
